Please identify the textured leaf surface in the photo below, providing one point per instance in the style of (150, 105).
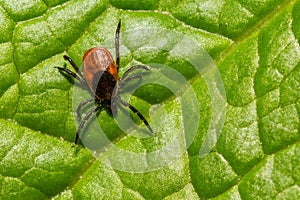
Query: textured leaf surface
(255, 45)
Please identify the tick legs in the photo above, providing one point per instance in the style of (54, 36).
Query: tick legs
(126, 78)
(131, 69)
(137, 113)
(78, 75)
(82, 104)
(121, 85)
(84, 120)
(74, 66)
(117, 45)
(95, 109)
(71, 73)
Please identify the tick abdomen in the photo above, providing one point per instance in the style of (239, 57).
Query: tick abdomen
(103, 85)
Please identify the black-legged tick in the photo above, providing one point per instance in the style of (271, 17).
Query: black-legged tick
(101, 77)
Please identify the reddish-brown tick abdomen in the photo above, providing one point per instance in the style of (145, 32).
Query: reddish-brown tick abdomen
(100, 72)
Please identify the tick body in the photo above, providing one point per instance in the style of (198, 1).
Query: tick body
(101, 73)
(101, 78)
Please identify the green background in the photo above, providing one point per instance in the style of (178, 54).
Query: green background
(255, 45)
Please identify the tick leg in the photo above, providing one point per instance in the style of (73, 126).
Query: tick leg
(82, 123)
(74, 66)
(129, 79)
(112, 107)
(137, 113)
(82, 104)
(117, 45)
(132, 69)
(71, 73)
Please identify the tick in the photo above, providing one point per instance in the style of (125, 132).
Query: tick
(100, 76)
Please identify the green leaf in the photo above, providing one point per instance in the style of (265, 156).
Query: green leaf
(255, 45)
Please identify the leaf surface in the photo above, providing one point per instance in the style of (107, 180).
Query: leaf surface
(255, 45)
